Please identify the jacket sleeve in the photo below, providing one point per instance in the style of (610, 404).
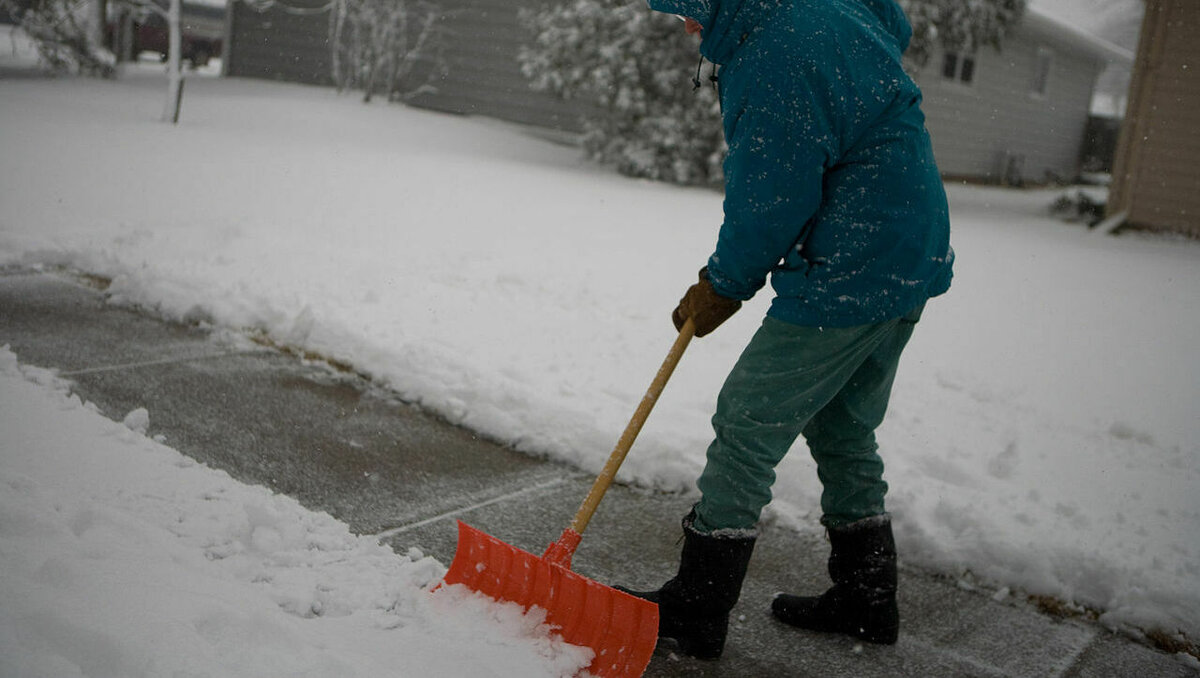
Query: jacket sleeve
(779, 149)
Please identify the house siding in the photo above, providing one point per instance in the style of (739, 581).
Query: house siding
(997, 128)
(483, 76)
(278, 44)
(1157, 174)
(480, 40)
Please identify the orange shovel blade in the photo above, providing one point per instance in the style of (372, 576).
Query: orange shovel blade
(620, 628)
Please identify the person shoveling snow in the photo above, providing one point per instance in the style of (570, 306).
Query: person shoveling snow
(831, 189)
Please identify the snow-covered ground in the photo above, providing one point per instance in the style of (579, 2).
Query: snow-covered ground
(1042, 435)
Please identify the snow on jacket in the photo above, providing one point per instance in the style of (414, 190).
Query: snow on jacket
(830, 182)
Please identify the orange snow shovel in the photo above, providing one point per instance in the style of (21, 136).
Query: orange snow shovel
(620, 628)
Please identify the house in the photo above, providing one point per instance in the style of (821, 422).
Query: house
(1018, 115)
(1014, 116)
(1156, 177)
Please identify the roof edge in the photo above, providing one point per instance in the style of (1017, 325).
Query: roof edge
(1079, 38)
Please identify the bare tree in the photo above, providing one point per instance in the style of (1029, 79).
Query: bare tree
(171, 11)
(174, 62)
(385, 46)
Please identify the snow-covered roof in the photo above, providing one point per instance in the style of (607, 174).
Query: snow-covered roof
(1078, 37)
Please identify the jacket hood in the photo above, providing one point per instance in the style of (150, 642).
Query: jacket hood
(722, 19)
(700, 10)
(893, 20)
(725, 22)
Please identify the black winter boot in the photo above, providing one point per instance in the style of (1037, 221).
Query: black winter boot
(693, 607)
(862, 602)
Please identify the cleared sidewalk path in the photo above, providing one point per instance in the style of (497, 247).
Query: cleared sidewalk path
(338, 444)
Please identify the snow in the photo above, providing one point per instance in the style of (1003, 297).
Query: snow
(122, 557)
(16, 48)
(1092, 16)
(1042, 435)
(138, 420)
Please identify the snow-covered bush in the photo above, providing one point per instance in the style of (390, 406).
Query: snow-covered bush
(65, 36)
(633, 69)
(958, 25)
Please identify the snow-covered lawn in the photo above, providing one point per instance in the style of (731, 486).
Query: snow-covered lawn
(1043, 433)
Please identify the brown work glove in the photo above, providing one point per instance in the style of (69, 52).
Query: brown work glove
(704, 306)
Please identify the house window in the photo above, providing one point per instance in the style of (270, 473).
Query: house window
(958, 67)
(950, 66)
(1041, 72)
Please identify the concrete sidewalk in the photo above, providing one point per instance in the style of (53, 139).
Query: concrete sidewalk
(339, 444)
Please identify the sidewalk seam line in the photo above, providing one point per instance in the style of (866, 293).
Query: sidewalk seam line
(467, 509)
(973, 662)
(154, 363)
(1071, 661)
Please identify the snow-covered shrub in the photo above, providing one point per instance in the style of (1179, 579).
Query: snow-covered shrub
(958, 25)
(65, 36)
(633, 68)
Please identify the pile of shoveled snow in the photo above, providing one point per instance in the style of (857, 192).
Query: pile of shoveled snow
(121, 557)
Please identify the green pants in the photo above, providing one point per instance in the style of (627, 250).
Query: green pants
(831, 386)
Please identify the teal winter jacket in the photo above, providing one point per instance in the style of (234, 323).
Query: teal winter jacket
(830, 183)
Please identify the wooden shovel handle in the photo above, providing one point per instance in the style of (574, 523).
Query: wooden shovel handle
(592, 501)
